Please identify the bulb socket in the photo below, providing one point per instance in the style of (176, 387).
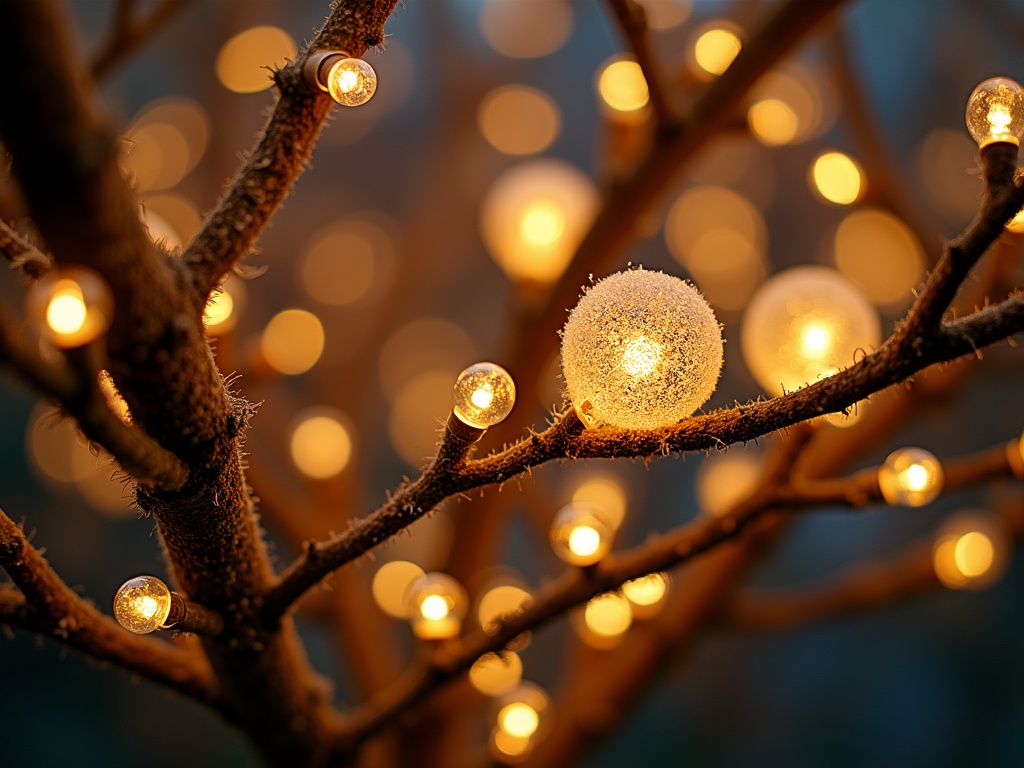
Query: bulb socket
(318, 64)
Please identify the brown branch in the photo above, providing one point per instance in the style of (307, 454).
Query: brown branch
(632, 20)
(283, 150)
(78, 392)
(54, 610)
(131, 31)
(22, 255)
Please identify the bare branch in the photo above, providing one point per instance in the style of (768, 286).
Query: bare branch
(632, 20)
(22, 255)
(52, 609)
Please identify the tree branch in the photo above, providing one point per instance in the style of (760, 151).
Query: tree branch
(52, 609)
(22, 255)
(632, 20)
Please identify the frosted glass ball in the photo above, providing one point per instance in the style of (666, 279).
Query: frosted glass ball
(641, 350)
(804, 324)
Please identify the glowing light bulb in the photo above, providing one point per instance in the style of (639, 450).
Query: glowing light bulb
(803, 324)
(142, 604)
(995, 112)
(391, 587)
(622, 86)
(484, 395)
(581, 534)
(71, 307)
(971, 550)
(520, 712)
(910, 476)
(350, 82)
(641, 350)
(604, 620)
(837, 178)
(495, 674)
(716, 45)
(500, 603)
(321, 444)
(438, 606)
(646, 594)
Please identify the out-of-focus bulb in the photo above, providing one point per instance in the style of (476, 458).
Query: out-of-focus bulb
(971, 550)
(71, 306)
(350, 82)
(803, 324)
(995, 112)
(484, 395)
(605, 619)
(142, 604)
(910, 476)
(521, 712)
(622, 86)
(494, 674)
(715, 46)
(581, 534)
(438, 606)
(646, 594)
(641, 350)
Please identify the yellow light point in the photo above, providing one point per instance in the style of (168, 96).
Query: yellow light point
(508, 746)
(837, 178)
(519, 719)
(608, 615)
(321, 446)
(622, 86)
(641, 357)
(543, 223)
(646, 590)
(243, 61)
(483, 396)
(995, 112)
(910, 476)
(439, 603)
(66, 312)
(434, 607)
(142, 604)
(219, 310)
(816, 340)
(351, 82)
(773, 122)
(495, 674)
(293, 341)
(973, 554)
(584, 541)
(716, 49)
(607, 494)
(391, 587)
(519, 120)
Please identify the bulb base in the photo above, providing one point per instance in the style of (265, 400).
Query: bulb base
(317, 65)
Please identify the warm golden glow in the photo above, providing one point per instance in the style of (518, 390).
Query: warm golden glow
(439, 603)
(142, 604)
(495, 674)
(320, 444)
(293, 341)
(509, 746)
(434, 607)
(580, 534)
(622, 86)
(973, 554)
(584, 541)
(837, 178)
(995, 112)
(243, 61)
(608, 615)
(972, 550)
(71, 306)
(910, 476)
(542, 223)
(606, 494)
(66, 312)
(519, 120)
(640, 357)
(724, 480)
(815, 340)
(881, 255)
(484, 395)
(646, 590)
(391, 586)
(501, 602)
(351, 82)
(219, 310)
(716, 49)
(515, 29)
(426, 344)
(518, 719)
(1016, 224)
(773, 122)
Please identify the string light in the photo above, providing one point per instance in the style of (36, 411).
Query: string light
(143, 605)
(71, 306)
(350, 82)
(495, 674)
(971, 550)
(521, 712)
(484, 395)
(622, 87)
(605, 620)
(910, 476)
(837, 178)
(803, 324)
(391, 587)
(438, 606)
(641, 350)
(580, 534)
(995, 112)
(646, 594)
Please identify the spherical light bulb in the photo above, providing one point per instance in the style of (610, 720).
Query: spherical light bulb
(646, 594)
(484, 395)
(995, 112)
(641, 350)
(438, 606)
(581, 534)
(71, 306)
(494, 674)
(972, 550)
(910, 476)
(351, 82)
(804, 324)
(605, 620)
(142, 604)
(520, 712)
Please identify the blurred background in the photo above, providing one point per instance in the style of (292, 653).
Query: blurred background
(496, 129)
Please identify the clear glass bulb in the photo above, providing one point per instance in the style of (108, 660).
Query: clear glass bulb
(972, 550)
(438, 606)
(910, 476)
(581, 534)
(521, 712)
(142, 604)
(351, 82)
(995, 112)
(71, 306)
(484, 395)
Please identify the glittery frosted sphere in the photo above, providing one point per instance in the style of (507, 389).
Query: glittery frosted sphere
(641, 350)
(804, 324)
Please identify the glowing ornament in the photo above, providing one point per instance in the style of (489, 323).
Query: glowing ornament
(910, 476)
(641, 350)
(603, 622)
(484, 395)
(804, 324)
(71, 306)
(142, 605)
(520, 712)
(971, 550)
(494, 674)
(646, 594)
(995, 112)
(438, 606)
(581, 534)
(350, 82)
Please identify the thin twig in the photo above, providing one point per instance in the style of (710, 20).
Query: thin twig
(22, 255)
(632, 20)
